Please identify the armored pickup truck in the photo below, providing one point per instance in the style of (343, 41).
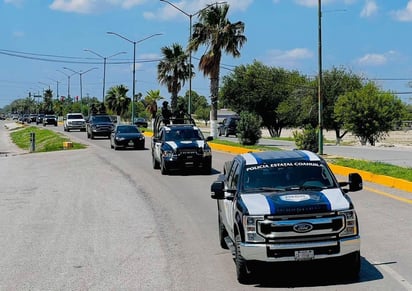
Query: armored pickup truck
(179, 144)
(286, 206)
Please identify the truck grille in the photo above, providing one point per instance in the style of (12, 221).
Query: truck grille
(291, 228)
(188, 151)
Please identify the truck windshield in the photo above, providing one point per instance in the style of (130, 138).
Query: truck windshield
(277, 177)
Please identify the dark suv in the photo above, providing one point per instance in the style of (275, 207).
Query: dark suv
(99, 125)
(228, 126)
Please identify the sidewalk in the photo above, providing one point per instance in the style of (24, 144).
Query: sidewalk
(7, 147)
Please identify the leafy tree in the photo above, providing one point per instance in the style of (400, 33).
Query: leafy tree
(197, 101)
(335, 83)
(203, 113)
(248, 128)
(218, 34)
(117, 100)
(369, 113)
(173, 70)
(261, 89)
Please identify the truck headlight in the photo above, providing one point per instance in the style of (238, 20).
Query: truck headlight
(250, 227)
(168, 154)
(351, 223)
(207, 152)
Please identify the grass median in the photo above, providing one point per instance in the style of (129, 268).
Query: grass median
(46, 140)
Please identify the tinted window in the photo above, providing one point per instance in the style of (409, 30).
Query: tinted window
(127, 129)
(102, 119)
(183, 134)
(277, 176)
(75, 116)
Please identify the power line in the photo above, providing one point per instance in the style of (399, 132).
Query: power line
(68, 59)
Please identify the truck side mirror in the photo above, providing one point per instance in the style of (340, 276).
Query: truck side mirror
(355, 182)
(217, 189)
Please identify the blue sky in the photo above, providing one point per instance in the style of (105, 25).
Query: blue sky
(38, 38)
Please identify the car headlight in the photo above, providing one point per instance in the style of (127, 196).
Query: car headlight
(120, 138)
(250, 228)
(351, 223)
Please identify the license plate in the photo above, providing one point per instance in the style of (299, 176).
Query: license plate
(131, 143)
(189, 157)
(304, 255)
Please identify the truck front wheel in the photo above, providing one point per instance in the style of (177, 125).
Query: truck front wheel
(222, 235)
(352, 265)
(244, 275)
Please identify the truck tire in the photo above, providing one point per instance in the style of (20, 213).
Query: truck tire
(163, 168)
(222, 234)
(207, 168)
(244, 275)
(352, 265)
(155, 163)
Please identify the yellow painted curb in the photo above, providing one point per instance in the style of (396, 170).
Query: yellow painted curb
(370, 177)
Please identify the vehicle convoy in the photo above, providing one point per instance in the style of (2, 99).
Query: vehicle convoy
(286, 206)
(74, 121)
(99, 125)
(180, 144)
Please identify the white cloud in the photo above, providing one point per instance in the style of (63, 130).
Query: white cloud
(17, 3)
(370, 9)
(373, 60)
(193, 7)
(289, 58)
(314, 3)
(405, 14)
(92, 6)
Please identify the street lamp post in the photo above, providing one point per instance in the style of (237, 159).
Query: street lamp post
(134, 63)
(80, 74)
(68, 82)
(320, 101)
(104, 66)
(189, 109)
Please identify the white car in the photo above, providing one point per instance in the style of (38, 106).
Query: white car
(74, 121)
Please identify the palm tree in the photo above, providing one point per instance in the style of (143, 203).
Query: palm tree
(116, 99)
(48, 100)
(218, 34)
(173, 70)
(150, 102)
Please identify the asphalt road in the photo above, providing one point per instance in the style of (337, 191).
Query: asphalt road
(99, 219)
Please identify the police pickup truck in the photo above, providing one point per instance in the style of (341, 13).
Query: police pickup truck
(179, 144)
(286, 206)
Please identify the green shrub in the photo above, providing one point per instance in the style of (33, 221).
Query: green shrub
(307, 139)
(248, 129)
